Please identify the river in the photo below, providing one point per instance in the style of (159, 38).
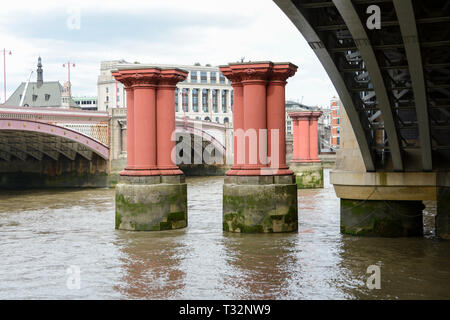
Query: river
(45, 233)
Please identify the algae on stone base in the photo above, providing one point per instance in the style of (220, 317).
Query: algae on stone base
(263, 208)
(151, 207)
(309, 179)
(381, 218)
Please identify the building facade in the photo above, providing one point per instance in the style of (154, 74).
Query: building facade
(86, 103)
(335, 123)
(40, 93)
(205, 94)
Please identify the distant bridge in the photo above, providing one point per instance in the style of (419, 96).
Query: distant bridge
(35, 132)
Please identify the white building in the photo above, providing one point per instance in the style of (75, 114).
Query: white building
(205, 95)
(86, 102)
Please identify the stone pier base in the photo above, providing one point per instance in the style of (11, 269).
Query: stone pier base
(151, 203)
(260, 204)
(382, 218)
(307, 175)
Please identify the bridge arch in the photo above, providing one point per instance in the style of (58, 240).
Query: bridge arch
(189, 129)
(22, 138)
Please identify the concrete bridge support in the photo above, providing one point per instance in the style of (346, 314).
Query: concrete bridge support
(259, 193)
(387, 204)
(305, 161)
(151, 194)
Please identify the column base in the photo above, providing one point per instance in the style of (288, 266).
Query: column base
(260, 204)
(151, 203)
(308, 175)
(382, 218)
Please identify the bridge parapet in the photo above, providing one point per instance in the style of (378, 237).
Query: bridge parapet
(93, 124)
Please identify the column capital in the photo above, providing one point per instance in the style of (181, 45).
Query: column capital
(316, 114)
(147, 77)
(252, 71)
(281, 71)
(300, 115)
(170, 77)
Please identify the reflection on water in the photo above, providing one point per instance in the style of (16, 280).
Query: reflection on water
(44, 232)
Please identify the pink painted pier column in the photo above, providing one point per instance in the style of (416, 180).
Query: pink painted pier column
(145, 122)
(127, 81)
(238, 110)
(259, 193)
(314, 136)
(151, 193)
(276, 112)
(301, 139)
(305, 161)
(305, 136)
(165, 120)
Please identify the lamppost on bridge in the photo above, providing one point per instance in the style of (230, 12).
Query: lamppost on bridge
(68, 68)
(4, 69)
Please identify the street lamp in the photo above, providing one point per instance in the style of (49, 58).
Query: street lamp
(4, 69)
(68, 67)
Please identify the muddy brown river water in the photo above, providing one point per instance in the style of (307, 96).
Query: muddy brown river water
(45, 232)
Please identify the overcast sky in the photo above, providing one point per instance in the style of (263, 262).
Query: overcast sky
(153, 31)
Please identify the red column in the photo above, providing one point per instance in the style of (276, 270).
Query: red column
(145, 126)
(314, 137)
(305, 136)
(141, 137)
(128, 81)
(130, 127)
(295, 141)
(238, 110)
(165, 120)
(276, 114)
(262, 109)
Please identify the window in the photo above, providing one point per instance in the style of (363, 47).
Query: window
(217, 120)
(203, 78)
(232, 99)
(222, 79)
(107, 98)
(338, 141)
(207, 119)
(224, 101)
(194, 76)
(176, 100)
(226, 120)
(337, 121)
(213, 77)
(214, 100)
(195, 100)
(184, 101)
(205, 100)
(47, 97)
(34, 97)
(107, 90)
(118, 98)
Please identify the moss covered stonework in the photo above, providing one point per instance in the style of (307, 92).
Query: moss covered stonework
(382, 218)
(264, 204)
(151, 204)
(308, 175)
